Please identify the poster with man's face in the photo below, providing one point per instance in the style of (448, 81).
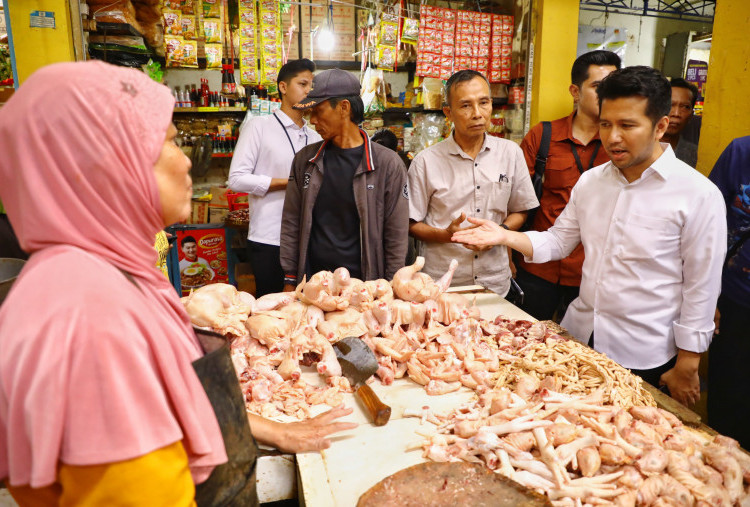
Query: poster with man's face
(203, 258)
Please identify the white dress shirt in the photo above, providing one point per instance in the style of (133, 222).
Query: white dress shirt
(444, 181)
(263, 152)
(654, 251)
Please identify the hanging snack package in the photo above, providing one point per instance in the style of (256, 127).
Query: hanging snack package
(188, 27)
(386, 58)
(212, 30)
(389, 30)
(173, 50)
(248, 61)
(410, 33)
(212, 8)
(172, 22)
(187, 7)
(213, 56)
(270, 68)
(269, 38)
(190, 54)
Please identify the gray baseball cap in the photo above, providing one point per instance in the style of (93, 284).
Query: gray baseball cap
(329, 84)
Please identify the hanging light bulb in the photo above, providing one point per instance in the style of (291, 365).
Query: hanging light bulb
(326, 40)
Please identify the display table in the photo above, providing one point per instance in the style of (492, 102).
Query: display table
(360, 458)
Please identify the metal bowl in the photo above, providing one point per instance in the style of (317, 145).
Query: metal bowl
(9, 270)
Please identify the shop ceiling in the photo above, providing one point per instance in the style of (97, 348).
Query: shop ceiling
(693, 10)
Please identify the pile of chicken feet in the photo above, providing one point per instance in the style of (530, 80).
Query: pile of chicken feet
(416, 329)
(579, 451)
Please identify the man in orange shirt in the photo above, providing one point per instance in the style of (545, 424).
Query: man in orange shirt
(573, 147)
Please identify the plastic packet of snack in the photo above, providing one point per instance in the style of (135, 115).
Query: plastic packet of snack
(247, 46)
(173, 4)
(211, 8)
(268, 18)
(173, 50)
(190, 54)
(410, 32)
(247, 16)
(213, 56)
(172, 22)
(249, 75)
(386, 58)
(212, 30)
(270, 33)
(187, 7)
(269, 5)
(188, 27)
(388, 30)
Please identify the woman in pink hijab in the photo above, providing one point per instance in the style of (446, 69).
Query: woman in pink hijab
(99, 402)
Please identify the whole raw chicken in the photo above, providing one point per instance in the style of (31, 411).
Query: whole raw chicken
(221, 307)
(411, 285)
(320, 291)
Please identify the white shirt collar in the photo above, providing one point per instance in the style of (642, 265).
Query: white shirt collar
(288, 122)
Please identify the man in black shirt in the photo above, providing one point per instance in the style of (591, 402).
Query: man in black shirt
(347, 200)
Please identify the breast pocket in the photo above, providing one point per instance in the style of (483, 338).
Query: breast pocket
(646, 238)
(498, 198)
(560, 177)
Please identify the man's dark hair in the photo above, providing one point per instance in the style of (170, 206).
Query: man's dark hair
(385, 137)
(460, 77)
(580, 71)
(678, 82)
(292, 68)
(187, 239)
(357, 107)
(639, 81)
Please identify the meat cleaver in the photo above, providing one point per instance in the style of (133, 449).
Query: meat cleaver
(358, 364)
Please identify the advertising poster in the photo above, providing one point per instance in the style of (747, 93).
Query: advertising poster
(609, 38)
(696, 73)
(202, 255)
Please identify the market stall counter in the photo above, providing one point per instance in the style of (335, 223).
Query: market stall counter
(469, 378)
(358, 459)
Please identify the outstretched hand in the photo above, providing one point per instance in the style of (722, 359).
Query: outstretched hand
(311, 435)
(484, 233)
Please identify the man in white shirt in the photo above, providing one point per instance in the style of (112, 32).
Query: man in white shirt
(654, 234)
(468, 174)
(260, 166)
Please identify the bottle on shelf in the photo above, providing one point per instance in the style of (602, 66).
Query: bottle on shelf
(194, 97)
(255, 101)
(205, 101)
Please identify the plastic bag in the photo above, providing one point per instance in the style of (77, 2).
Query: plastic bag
(373, 91)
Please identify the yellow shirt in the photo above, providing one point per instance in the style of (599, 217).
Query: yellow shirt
(160, 478)
(161, 245)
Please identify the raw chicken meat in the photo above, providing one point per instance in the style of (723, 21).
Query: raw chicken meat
(220, 307)
(411, 285)
(320, 291)
(340, 324)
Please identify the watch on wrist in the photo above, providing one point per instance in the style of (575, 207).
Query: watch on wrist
(505, 227)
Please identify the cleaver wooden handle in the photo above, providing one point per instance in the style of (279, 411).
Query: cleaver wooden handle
(379, 411)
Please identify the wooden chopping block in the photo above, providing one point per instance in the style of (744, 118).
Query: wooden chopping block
(449, 484)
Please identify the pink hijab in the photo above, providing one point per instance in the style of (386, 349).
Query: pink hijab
(93, 369)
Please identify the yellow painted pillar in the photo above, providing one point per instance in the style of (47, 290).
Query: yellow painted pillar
(555, 28)
(726, 112)
(36, 46)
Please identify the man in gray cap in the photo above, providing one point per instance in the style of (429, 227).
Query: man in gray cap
(347, 202)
